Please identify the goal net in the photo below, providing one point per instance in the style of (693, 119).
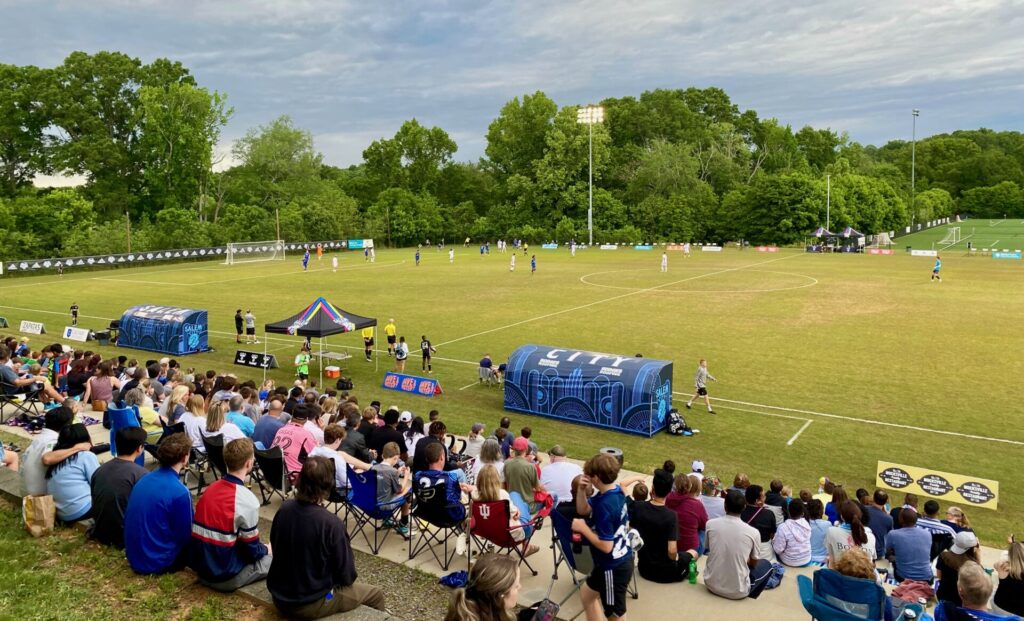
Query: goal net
(253, 252)
(952, 236)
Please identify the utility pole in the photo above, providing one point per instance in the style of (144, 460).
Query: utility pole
(828, 202)
(128, 224)
(913, 163)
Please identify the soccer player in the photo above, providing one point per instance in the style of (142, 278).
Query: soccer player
(250, 327)
(334, 263)
(302, 365)
(533, 264)
(60, 268)
(74, 314)
(686, 250)
(451, 255)
(572, 249)
(305, 260)
(368, 343)
(700, 381)
(664, 261)
(239, 321)
(426, 349)
(373, 255)
(366, 254)
(935, 270)
(390, 331)
(417, 257)
(319, 252)
(512, 263)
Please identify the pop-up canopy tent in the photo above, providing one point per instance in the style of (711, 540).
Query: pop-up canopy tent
(320, 320)
(623, 393)
(164, 329)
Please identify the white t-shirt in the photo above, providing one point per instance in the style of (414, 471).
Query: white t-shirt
(557, 479)
(316, 431)
(478, 465)
(714, 505)
(230, 431)
(340, 466)
(731, 544)
(194, 426)
(33, 472)
(839, 539)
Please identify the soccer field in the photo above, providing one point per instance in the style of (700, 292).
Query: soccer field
(826, 363)
(981, 234)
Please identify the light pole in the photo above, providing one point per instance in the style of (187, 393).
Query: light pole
(828, 202)
(588, 115)
(913, 163)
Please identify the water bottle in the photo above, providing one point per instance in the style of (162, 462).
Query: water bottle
(909, 614)
(693, 571)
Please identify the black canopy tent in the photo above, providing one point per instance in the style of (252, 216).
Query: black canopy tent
(320, 320)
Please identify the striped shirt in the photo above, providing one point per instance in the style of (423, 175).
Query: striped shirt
(225, 531)
(702, 377)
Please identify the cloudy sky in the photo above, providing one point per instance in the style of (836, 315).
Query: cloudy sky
(352, 72)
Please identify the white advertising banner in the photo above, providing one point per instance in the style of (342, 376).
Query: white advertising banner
(711, 248)
(32, 327)
(924, 253)
(72, 333)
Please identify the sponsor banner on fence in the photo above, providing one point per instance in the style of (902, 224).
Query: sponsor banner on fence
(924, 253)
(957, 488)
(32, 327)
(674, 247)
(609, 247)
(256, 359)
(767, 248)
(711, 248)
(1006, 255)
(422, 386)
(549, 246)
(880, 251)
(643, 247)
(72, 333)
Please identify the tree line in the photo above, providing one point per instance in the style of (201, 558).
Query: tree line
(669, 165)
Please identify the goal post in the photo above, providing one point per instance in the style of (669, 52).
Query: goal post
(952, 236)
(254, 252)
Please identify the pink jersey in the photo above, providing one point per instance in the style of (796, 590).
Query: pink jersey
(293, 439)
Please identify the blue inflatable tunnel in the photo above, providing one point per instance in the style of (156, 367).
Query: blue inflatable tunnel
(165, 329)
(623, 393)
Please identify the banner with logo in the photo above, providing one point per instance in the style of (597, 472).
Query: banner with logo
(924, 253)
(609, 247)
(422, 386)
(880, 251)
(1006, 255)
(767, 248)
(711, 248)
(255, 359)
(32, 327)
(72, 333)
(549, 246)
(954, 488)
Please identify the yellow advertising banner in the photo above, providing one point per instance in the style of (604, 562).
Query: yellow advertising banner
(954, 488)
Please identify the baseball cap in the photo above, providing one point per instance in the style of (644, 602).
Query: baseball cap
(697, 466)
(520, 444)
(556, 451)
(405, 417)
(965, 540)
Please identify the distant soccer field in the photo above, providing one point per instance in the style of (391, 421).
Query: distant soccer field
(827, 363)
(981, 234)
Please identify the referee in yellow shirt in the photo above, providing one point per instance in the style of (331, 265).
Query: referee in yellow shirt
(391, 331)
(368, 343)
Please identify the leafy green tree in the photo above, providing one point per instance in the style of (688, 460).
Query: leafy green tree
(412, 160)
(330, 214)
(565, 231)
(403, 218)
(819, 147)
(177, 227)
(25, 113)
(104, 237)
(867, 204)
(43, 220)
(997, 201)
(278, 164)
(458, 221)
(780, 209)
(242, 223)
(516, 139)
(932, 204)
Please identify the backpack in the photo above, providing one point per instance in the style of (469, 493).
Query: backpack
(677, 425)
(344, 383)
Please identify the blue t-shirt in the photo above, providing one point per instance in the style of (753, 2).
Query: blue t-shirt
(938, 265)
(265, 430)
(157, 522)
(70, 486)
(912, 547)
(243, 422)
(608, 520)
(819, 530)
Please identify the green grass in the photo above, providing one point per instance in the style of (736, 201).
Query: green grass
(990, 234)
(867, 338)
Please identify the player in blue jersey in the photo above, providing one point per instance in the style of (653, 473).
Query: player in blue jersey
(533, 264)
(305, 260)
(417, 257)
(935, 270)
(603, 525)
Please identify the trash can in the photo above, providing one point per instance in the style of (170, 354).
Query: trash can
(614, 452)
(103, 338)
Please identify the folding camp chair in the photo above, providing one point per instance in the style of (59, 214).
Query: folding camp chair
(831, 596)
(274, 477)
(438, 514)
(490, 524)
(368, 513)
(571, 549)
(25, 404)
(339, 495)
(122, 416)
(214, 446)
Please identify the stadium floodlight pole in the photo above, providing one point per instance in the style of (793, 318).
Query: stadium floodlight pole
(913, 162)
(588, 115)
(828, 202)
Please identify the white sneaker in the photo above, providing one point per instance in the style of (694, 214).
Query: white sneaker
(461, 545)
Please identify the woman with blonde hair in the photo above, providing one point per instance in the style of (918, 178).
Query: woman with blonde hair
(176, 404)
(489, 489)
(490, 455)
(216, 425)
(194, 420)
(1009, 597)
(957, 519)
(490, 593)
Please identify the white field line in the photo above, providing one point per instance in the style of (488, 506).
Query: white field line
(997, 222)
(797, 434)
(613, 298)
(994, 244)
(470, 385)
(148, 282)
(961, 240)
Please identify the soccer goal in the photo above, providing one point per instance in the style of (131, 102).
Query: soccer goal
(253, 252)
(952, 236)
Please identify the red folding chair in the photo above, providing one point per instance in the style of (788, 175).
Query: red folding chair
(490, 524)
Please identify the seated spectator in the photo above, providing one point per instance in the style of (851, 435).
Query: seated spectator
(532, 450)
(8, 459)
(216, 425)
(355, 442)
(947, 565)
(557, 476)
(148, 417)
(490, 455)
(930, 520)
(957, 519)
(40, 454)
(711, 496)
(975, 588)
(226, 549)
(910, 501)
(295, 440)
(158, 520)
(333, 436)
(14, 385)
(696, 469)
(839, 496)
(268, 425)
(757, 515)
(740, 483)
(792, 541)
(855, 563)
(849, 534)
(68, 480)
(112, 485)
(490, 593)
(734, 569)
(174, 406)
(774, 496)
(313, 573)
(368, 422)
(825, 490)
(99, 390)
(389, 433)
(393, 484)
(521, 475)
(909, 549)
(475, 440)
(76, 378)
(819, 531)
(1009, 597)
(436, 434)
(237, 416)
(413, 434)
(692, 517)
(489, 489)
(315, 420)
(879, 522)
(659, 560)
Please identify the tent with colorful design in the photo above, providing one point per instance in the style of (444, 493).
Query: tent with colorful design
(320, 320)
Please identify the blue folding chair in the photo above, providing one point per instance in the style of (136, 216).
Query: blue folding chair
(120, 417)
(831, 596)
(367, 512)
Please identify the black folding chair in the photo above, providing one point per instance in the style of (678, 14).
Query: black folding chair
(274, 477)
(215, 455)
(438, 514)
(25, 404)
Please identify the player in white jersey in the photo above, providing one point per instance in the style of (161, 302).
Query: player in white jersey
(664, 261)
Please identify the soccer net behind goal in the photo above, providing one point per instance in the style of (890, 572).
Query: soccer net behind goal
(952, 236)
(253, 252)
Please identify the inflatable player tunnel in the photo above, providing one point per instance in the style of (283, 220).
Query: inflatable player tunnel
(165, 329)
